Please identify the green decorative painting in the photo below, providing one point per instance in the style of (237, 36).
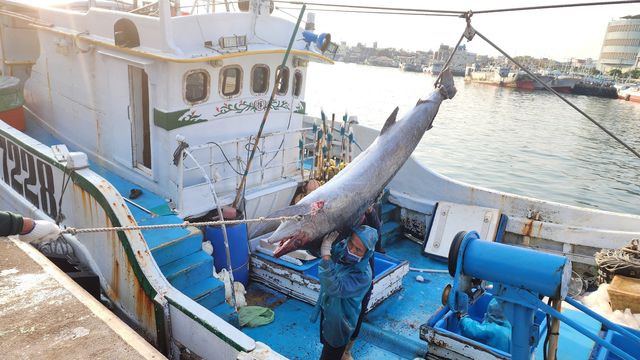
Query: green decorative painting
(180, 118)
(301, 108)
(250, 106)
(176, 119)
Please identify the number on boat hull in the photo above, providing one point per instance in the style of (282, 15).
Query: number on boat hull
(29, 176)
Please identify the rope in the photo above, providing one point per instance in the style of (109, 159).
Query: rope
(613, 261)
(557, 94)
(74, 231)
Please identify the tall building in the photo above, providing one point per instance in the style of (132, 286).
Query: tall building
(621, 45)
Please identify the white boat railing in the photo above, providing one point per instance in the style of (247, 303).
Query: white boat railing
(225, 161)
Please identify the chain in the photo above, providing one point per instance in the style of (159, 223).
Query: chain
(74, 231)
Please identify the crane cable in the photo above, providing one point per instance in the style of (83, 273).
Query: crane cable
(435, 12)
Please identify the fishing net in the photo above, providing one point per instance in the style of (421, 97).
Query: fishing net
(253, 316)
(624, 261)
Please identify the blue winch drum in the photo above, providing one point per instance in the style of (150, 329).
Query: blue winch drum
(544, 273)
(238, 248)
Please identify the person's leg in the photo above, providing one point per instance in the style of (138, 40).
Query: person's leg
(328, 351)
(331, 353)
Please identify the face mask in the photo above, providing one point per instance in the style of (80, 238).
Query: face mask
(347, 257)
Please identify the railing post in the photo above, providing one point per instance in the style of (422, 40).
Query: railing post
(181, 181)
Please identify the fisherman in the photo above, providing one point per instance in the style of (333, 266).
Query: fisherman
(29, 230)
(369, 218)
(494, 330)
(345, 278)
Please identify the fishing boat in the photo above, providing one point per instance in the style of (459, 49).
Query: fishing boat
(145, 115)
(494, 75)
(411, 67)
(629, 93)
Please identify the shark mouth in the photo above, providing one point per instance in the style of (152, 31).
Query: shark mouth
(291, 243)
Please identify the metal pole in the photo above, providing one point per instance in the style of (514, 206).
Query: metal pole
(554, 331)
(227, 251)
(243, 182)
(603, 320)
(521, 332)
(551, 311)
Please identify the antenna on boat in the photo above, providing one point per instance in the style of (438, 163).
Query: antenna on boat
(254, 146)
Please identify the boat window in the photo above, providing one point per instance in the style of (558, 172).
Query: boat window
(283, 84)
(196, 86)
(260, 79)
(297, 83)
(230, 80)
(125, 34)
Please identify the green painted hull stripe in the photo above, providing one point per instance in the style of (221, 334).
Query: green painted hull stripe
(217, 332)
(147, 287)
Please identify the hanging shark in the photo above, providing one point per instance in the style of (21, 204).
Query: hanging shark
(340, 203)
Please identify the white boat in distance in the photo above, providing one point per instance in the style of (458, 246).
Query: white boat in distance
(120, 97)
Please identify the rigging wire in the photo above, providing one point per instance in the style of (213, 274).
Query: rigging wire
(542, 7)
(368, 12)
(437, 12)
(557, 94)
(372, 7)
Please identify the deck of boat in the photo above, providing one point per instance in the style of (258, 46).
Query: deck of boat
(294, 336)
(46, 315)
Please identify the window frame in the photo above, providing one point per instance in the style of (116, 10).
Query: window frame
(286, 90)
(266, 91)
(221, 79)
(207, 84)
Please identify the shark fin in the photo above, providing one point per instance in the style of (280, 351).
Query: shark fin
(269, 226)
(390, 121)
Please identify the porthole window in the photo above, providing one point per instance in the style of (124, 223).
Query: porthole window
(196, 86)
(230, 80)
(297, 83)
(260, 79)
(283, 84)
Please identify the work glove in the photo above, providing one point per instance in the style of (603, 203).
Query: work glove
(42, 231)
(327, 241)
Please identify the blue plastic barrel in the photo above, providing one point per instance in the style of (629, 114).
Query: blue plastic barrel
(238, 248)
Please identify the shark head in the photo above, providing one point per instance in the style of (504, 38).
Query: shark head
(290, 236)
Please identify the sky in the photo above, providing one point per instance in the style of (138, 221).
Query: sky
(559, 34)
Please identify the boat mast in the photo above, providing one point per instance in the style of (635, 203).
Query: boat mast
(164, 10)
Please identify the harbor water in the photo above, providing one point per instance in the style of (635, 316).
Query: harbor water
(523, 142)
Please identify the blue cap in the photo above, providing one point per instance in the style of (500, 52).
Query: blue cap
(367, 235)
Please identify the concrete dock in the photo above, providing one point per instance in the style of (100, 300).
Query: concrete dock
(44, 314)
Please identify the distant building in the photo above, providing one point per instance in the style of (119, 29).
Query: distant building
(583, 63)
(621, 45)
(375, 45)
(442, 54)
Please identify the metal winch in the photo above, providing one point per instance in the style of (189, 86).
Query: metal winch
(521, 278)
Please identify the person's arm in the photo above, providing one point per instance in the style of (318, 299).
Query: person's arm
(473, 329)
(344, 285)
(13, 224)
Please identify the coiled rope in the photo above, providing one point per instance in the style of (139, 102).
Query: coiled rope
(74, 231)
(626, 258)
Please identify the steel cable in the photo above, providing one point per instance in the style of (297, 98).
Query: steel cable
(558, 95)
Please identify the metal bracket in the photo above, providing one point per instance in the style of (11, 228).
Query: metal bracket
(469, 32)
